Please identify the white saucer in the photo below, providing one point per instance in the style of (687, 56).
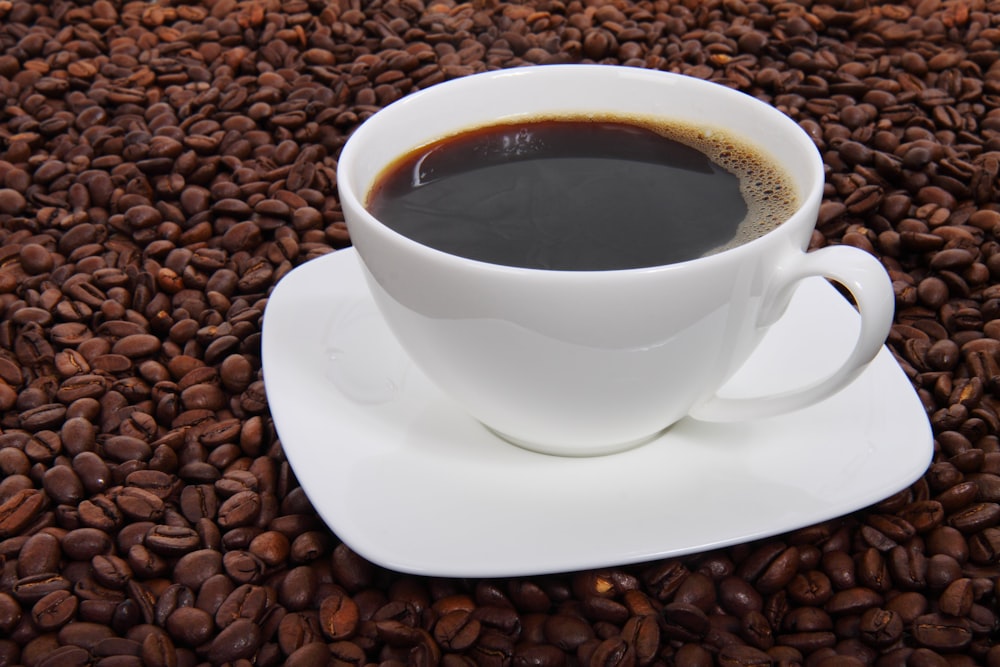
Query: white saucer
(413, 484)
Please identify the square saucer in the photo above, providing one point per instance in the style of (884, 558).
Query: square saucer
(412, 483)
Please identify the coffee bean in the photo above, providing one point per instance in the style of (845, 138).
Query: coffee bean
(613, 652)
(315, 654)
(456, 630)
(158, 649)
(190, 626)
(338, 615)
(39, 554)
(172, 540)
(194, 568)
(239, 510)
(238, 640)
(940, 632)
(686, 620)
(82, 634)
(741, 656)
(738, 597)
(19, 510)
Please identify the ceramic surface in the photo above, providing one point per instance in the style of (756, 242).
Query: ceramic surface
(411, 482)
(590, 362)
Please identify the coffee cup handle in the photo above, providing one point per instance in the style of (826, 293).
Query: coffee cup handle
(867, 281)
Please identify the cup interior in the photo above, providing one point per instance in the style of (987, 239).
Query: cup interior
(574, 90)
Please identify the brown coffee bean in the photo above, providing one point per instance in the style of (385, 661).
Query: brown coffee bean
(82, 634)
(190, 626)
(32, 588)
(567, 632)
(686, 620)
(245, 601)
(315, 654)
(139, 504)
(158, 650)
(923, 515)
(111, 571)
(172, 540)
(743, 656)
(93, 472)
(976, 517)
(338, 615)
(242, 566)
(239, 510)
(123, 448)
(810, 588)
(298, 629)
(879, 627)
(297, 588)
(643, 634)
(19, 510)
(136, 345)
(83, 544)
(738, 597)
(779, 572)
(39, 554)
(238, 640)
(957, 598)
(936, 631)
(194, 568)
(65, 655)
(853, 600)
(456, 630)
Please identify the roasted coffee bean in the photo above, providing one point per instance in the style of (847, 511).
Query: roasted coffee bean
(84, 635)
(54, 610)
(241, 509)
(238, 640)
(195, 568)
(338, 615)
(172, 540)
(158, 650)
(686, 620)
(456, 630)
(936, 631)
(190, 626)
(85, 543)
(20, 510)
(65, 655)
(174, 597)
(245, 601)
(299, 629)
(39, 554)
(743, 656)
(738, 597)
(31, 589)
(643, 634)
(315, 654)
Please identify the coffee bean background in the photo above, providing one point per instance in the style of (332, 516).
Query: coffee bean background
(164, 164)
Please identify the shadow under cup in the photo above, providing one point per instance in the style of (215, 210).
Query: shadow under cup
(576, 362)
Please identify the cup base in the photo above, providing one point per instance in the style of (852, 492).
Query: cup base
(574, 450)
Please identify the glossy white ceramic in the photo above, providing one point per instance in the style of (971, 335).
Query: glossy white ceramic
(405, 477)
(589, 362)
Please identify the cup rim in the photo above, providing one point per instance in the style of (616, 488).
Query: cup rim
(350, 195)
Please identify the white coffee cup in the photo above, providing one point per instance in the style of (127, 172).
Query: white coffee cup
(592, 362)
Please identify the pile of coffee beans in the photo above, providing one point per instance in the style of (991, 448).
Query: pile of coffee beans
(164, 164)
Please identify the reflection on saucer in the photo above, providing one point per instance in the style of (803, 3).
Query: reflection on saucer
(362, 360)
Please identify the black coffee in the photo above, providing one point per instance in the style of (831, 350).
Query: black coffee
(582, 194)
